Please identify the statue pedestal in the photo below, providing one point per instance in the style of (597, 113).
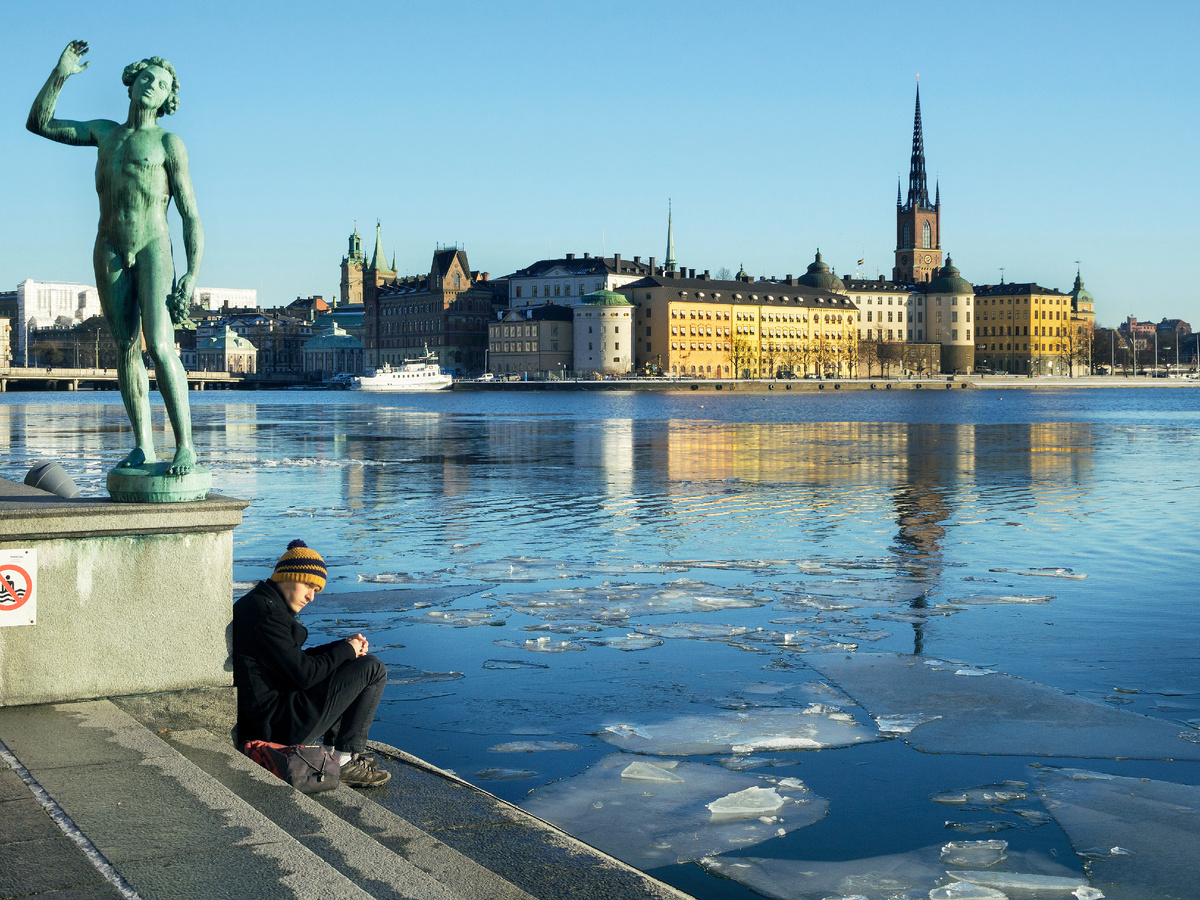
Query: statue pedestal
(151, 484)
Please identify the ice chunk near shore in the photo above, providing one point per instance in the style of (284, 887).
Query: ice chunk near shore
(1016, 885)
(532, 746)
(964, 890)
(657, 812)
(1150, 829)
(902, 723)
(814, 727)
(1045, 572)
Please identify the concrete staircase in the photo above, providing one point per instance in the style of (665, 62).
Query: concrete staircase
(155, 810)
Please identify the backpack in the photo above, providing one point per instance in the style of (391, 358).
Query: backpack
(306, 767)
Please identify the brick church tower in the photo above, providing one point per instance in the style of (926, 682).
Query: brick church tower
(918, 224)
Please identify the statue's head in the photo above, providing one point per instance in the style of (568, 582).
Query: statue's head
(133, 70)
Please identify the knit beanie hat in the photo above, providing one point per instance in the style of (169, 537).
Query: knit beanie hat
(300, 563)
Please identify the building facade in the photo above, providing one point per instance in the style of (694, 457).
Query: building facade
(1022, 329)
(447, 311)
(44, 303)
(532, 342)
(701, 327)
(332, 352)
(604, 334)
(226, 351)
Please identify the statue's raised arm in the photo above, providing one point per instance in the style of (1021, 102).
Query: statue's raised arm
(41, 116)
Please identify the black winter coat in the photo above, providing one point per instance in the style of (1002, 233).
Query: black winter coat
(280, 685)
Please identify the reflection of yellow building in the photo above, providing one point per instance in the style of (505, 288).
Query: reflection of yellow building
(698, 327)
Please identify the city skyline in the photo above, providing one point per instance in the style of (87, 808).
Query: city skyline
(531, 131)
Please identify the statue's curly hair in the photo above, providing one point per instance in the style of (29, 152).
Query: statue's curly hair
(131, 73)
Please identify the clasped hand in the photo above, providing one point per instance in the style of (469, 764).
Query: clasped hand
(359, 643)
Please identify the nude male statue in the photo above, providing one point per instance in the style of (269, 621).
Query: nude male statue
(139, 169)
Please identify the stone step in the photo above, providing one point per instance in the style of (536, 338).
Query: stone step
(382, 852)
(164, 826)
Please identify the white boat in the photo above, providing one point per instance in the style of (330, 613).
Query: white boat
(420, 374)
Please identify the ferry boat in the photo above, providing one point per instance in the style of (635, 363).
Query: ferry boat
(420, 374)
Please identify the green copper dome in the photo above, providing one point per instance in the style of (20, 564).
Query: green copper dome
(604, 298)
(949, 281)
(818, 276)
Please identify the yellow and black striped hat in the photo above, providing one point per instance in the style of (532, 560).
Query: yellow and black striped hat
(301, 563)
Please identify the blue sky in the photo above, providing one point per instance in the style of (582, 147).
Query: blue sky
(1058, 132)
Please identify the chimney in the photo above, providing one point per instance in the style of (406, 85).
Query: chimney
(587, 256)
(652, 265)
(706, 274)
(637, 260)
(691, 273)
(570, 256)
(617, 262)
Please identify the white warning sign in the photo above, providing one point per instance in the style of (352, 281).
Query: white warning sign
(18, 587)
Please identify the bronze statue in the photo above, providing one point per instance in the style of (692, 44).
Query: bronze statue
(140, 168)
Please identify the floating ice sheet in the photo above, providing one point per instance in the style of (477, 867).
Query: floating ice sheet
(618, 603)
(1156, 825)
(899, 876)
(974, 854)
(532, 747)
(540, 645)
(744, 732)
(998, 599)
(627, 642)
(1045, 572)
(458, 618)
(1021, 885)
(650, 819)
(998, 714)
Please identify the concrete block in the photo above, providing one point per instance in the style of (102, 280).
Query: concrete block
(43, 865)
(130, 598)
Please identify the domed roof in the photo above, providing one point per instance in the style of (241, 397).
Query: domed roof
(818, 276)
(604, 298)
(949, 281)
(1079, 292)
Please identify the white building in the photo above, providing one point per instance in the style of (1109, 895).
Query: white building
(42, 303)
(218, 298)
(563, 281)
(603, 334)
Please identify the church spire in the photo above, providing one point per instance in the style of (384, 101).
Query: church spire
(918, 189)
(669, 265)
(378, 258)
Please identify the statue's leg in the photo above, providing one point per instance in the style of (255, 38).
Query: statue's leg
(116, 287)
(155, 277)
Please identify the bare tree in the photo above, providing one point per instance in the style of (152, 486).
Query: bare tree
(723, 274)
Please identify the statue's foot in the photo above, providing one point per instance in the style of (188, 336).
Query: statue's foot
(184, 462)
(137, 457)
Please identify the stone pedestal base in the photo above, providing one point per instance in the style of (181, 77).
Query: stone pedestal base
(132, 598)
(151, 484)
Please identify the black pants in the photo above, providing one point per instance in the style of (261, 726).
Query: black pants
(351, 696)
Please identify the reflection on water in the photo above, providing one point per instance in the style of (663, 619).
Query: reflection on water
(698, 557)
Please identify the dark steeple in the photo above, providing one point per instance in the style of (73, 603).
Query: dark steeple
(918, 190)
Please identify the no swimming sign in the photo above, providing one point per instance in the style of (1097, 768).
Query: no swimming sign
(18, 587)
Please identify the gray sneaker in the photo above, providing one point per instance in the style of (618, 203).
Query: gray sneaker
(361, 774)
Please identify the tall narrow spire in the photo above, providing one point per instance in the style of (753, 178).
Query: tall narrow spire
(937, 193)
(378, 258)
(669, 265)
(918, 189)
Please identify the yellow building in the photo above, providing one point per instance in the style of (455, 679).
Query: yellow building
(702, 328)
(1024, 329)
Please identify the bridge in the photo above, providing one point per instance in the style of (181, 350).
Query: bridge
(68, 379)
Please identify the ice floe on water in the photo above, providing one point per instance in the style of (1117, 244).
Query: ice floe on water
(399, 674)
(997, 714)
(627, 642)
(532, 747)
(617, 603)
(458, 618)
(500, 665)
(660, 812)
(497, 773)
(901, 724)
(540, 645)
(975, 854)
(916, 875)
(996, 599)
(744, 732)
(1045, 572)
(1139, 838)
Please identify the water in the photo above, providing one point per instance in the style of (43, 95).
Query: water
(556, 579)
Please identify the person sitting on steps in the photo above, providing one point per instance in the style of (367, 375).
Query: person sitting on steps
(287, 694)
